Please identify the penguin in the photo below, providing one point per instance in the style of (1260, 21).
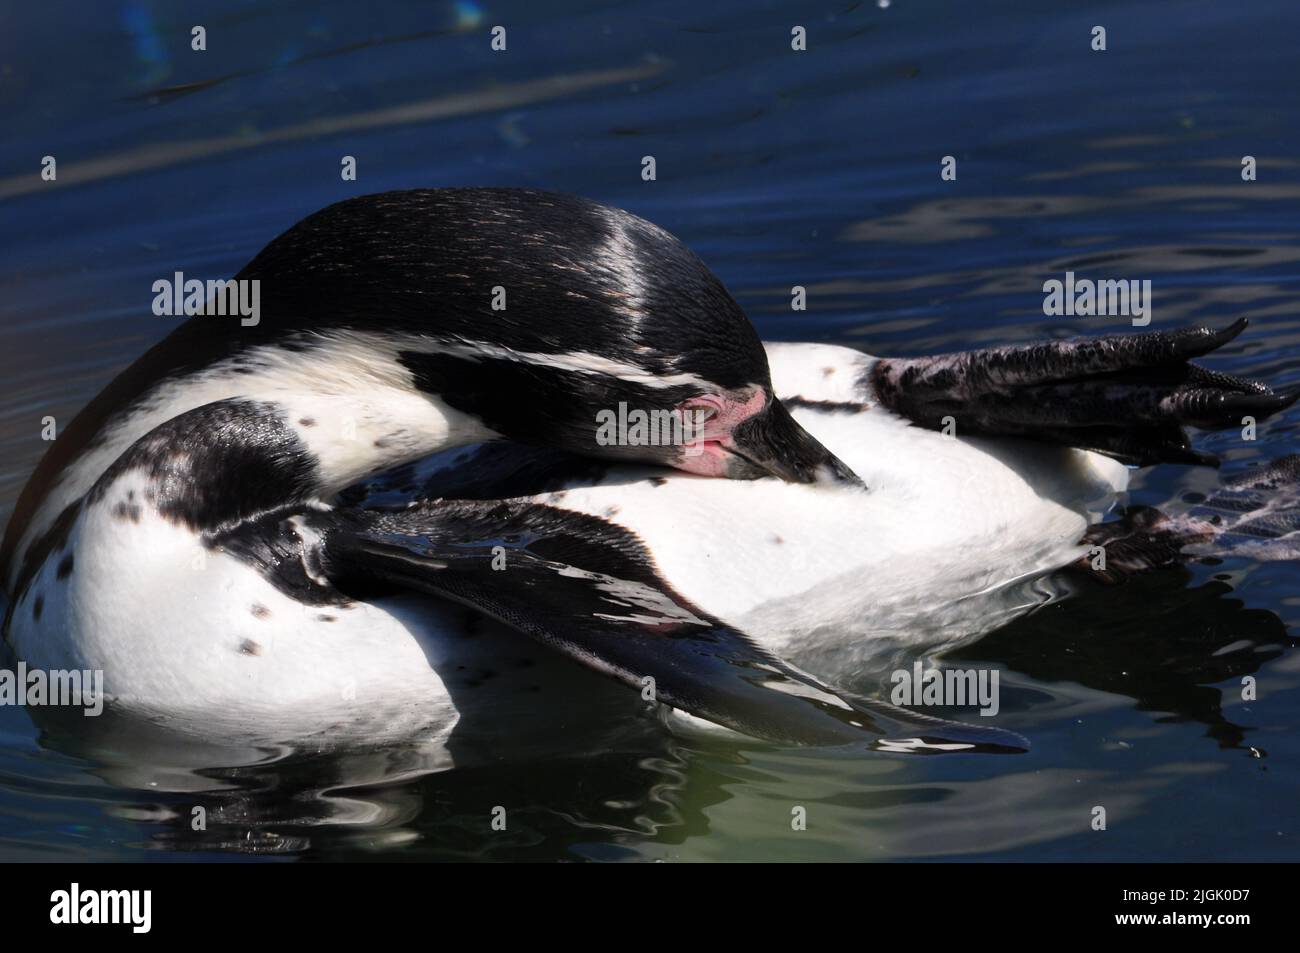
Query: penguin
(209, 532)
(958, 519)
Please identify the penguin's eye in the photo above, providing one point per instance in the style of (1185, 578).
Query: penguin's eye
(700, 410)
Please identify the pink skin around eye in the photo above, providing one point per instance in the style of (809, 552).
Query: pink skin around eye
(706, 455)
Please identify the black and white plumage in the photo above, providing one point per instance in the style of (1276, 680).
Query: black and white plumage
(192, 533)
(378, 311)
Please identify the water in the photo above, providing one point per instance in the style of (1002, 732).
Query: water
(817, 168)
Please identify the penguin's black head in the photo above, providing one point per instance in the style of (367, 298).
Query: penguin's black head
(550, 318)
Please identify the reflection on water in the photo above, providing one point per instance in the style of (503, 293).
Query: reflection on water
(146, 158)
(818, 169)
(637, 791)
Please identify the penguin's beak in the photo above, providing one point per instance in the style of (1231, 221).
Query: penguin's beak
(772, 443)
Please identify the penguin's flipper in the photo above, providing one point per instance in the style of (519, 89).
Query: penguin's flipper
(589, 589)
(1128, 396)
(1256, 514)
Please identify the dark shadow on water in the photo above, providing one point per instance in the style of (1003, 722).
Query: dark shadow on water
(198, 797)
(1153, 638)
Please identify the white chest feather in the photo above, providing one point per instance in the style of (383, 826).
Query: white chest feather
(178, 628)
(829, 576)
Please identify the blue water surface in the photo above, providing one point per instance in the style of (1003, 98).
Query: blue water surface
(780, 168)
